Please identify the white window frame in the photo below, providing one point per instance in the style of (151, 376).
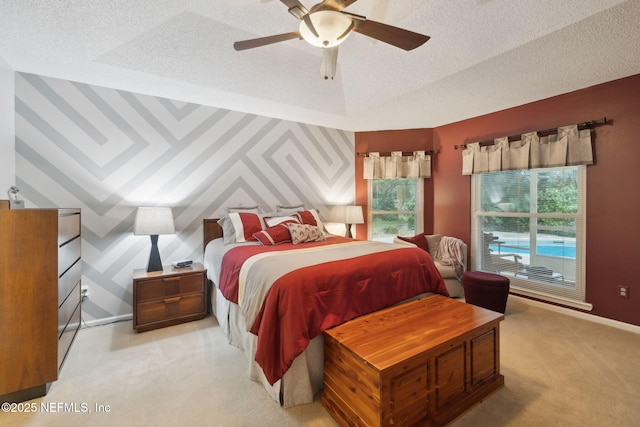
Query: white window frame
(418, 212)
(531, 288)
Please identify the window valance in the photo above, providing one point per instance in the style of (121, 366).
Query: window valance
(397, 165)
(566, 146)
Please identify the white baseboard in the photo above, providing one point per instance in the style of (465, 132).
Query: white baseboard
(106, 320)
(543, 296)
(581, 315)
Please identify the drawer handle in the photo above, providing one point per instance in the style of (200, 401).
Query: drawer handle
(172, 300)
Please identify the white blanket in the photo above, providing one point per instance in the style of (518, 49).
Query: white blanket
(450, 253)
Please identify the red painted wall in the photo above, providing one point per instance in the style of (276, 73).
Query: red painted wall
(613, 196)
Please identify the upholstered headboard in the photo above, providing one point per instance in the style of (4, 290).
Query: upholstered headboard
(212, 230)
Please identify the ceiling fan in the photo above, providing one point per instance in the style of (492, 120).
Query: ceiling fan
(327, 25)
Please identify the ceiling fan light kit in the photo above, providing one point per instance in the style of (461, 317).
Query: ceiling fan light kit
(326, 26)
(329, 62)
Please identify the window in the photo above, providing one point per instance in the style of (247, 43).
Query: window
(395, 208)
(529, 226)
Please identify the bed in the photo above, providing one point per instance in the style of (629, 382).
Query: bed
(274, 302)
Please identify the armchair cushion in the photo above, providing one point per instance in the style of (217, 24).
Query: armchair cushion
(433, 240)
(446, 271)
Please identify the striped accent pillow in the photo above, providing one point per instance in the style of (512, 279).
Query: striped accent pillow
(274, 235)
(245, 224)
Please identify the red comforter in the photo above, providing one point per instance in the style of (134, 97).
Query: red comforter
(303, 303)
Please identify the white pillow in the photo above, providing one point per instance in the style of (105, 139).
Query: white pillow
(228, 232)
(253, 209)
(275, 220)
(289, 210)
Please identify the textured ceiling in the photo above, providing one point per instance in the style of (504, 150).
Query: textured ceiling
(483, 56)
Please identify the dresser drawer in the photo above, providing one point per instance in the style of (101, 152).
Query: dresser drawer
(162, 287)
(68, 227)
(68, 281)
(68, 254)
(171, 307)
(67, 308)
(68, 335)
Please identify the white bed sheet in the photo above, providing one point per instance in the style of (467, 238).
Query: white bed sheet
(304, 379)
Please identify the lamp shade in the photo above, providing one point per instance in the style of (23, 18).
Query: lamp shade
(348, 214)
(153, 220)
(354, 215)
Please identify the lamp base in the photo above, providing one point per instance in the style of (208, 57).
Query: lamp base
(16, 204)
(155, 264)
(348, 231)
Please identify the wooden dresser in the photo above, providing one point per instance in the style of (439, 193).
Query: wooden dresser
(40, 275)
(168, 297)
(420, 363)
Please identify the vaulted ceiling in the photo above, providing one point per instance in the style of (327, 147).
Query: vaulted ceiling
(483, 55)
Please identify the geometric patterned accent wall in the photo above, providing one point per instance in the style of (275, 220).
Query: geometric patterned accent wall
(109, 151)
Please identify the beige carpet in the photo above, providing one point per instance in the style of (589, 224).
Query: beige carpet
(559, 371)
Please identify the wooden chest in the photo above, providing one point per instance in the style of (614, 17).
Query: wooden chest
(420, 363)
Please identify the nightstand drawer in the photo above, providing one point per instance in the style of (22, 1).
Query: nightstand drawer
(171, 307)
(169, 286)
(168, 297)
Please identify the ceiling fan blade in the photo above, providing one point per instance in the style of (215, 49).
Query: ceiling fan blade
(336, 4)
(398, 37)
(263, 41)
(296, 8)
(292, 3)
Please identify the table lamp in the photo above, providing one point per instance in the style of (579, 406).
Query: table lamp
(152, 221)
(348, 215)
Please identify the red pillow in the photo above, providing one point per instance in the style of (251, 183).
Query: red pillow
(420, 241)
(307, 217)
(274, 235)
(245, 225)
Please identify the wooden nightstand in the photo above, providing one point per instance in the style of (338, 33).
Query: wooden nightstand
(168, 297)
